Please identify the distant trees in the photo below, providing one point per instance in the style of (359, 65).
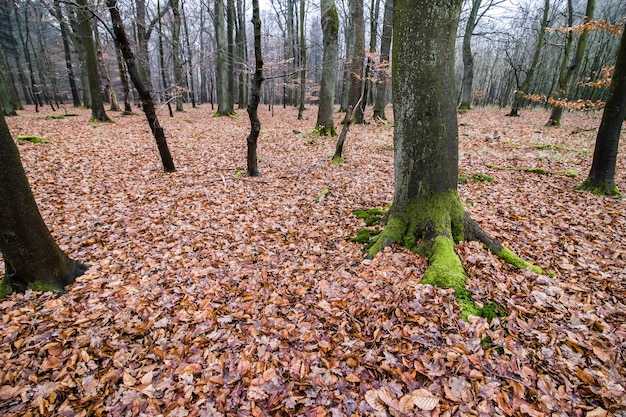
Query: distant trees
(31, 256)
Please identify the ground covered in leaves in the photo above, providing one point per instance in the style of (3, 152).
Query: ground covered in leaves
(214, 294)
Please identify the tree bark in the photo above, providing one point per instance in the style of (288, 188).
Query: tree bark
(523, 88)
(257, 80)
(302, 60)
(178, 76)
(564, 83)
(330, 30)
(468, 58)
(383, 66)
(6, 104)
(85, 31)
(242, 52)
(189, 63)
(601, 179)
(427, 215)
(32, 256)
(58, 13)
(145, 93)
(223, 102)
(357, 61)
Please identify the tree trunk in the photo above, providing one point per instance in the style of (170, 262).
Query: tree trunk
(302, 61)
(358, 58)
(468, 58)
(522, 89)
(189, 64)
(145, 93)
(427, 215)
(86, 33)
(24, 39)
(121, 66)
(601, 179)
(230, 38)
(223, 100)
(32, 257)
(6, 105)
(564, 83)
(68, 53)
(242, 52)
(255, 123)
(330, 30)
(383, 66)
(165, 94)
(367, 87)
(178, 76)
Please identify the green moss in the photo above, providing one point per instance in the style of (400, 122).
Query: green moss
(492, 310)
(313, 142)
(42, 286)
(324, 131)
(462, 178)
(445, 269)
(510, 168)
(386, 148)
(366, 237)
(512, 259)
(569, 172)
(32, 139)
(333, 19)
(371, 216)
(5, 288)
(535, 170)
(338, 160)
(54, 117)
(482, 177)
(599, 188)
(488, 342)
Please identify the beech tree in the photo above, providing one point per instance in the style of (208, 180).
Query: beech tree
(601, 179)
(385, 50)
(330, 31)
(255, 98)
(357, 61)
(32, 258)
(427, 215)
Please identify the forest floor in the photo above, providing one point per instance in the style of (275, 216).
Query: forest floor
(212, 294)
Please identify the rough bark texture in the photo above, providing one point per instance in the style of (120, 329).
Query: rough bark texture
(178, 74)
(601, 179)
(518, 101)
(302, 59)
(330, 30)
(357, 60)
(145, 94)
(57, 12)
(385, 50)
(32, 257)
(468, 58)
(85, 31)
(564, 83)
(427, 215)
(255, 123)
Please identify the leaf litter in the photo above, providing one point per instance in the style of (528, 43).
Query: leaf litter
(213, 294)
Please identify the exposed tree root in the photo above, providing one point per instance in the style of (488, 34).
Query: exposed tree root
(599, 187)
(431, 227)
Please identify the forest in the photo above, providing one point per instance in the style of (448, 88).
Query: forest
(293, 207)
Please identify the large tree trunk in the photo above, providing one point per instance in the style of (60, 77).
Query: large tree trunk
(223, 100)
(31, 256)
(601, 179)
(564, 82)
(357, 61)
(427, 215)
(468, 58)
(385, 50)
(255, 123)
(330, 30)
(86, 33)
(523, 88)
(145, 93)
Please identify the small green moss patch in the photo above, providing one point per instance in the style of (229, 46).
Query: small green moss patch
(338, 160)
(569, 172)
(510, 168)
(509, 257)
(32, 139)
(5, 288)
(42, 287)
(366, 237)
(482, 177)
(371, 216)
(55, 117)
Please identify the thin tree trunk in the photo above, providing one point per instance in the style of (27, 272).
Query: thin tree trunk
(242, 52)
(221, 75)
(58, 13)
(302, 60)
(178, 76)
(165, 95)
(121, 66)
(468, 58)
(557, 110)
(257, 80)
(189, 65)
(24, 41)
(85, 31)
(230, 37)
(601, 179)
(144, 91)
(522, 89)
(383, 66)
(367, 87)
(358, 58)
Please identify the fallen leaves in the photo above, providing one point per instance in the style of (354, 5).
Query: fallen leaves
(214, 295)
